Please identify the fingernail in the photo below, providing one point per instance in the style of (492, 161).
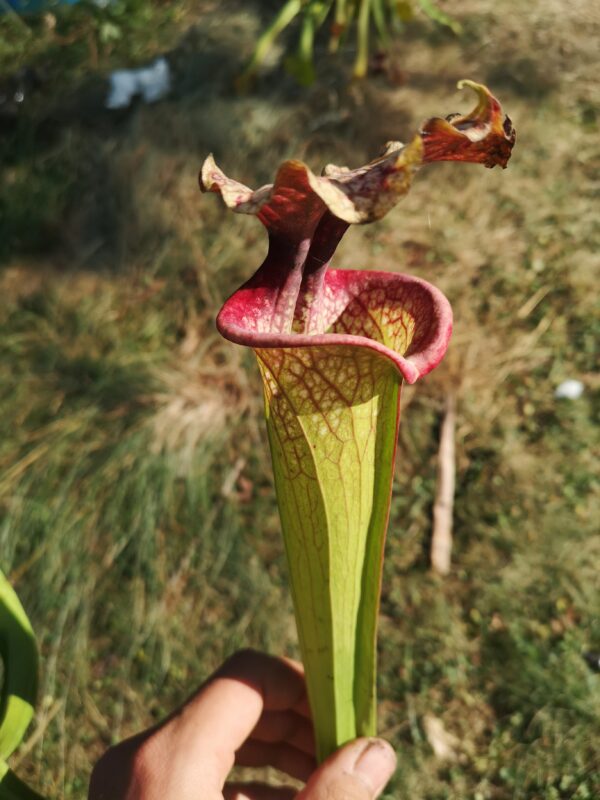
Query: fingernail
(376, 765)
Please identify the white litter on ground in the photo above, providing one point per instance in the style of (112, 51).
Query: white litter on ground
(151, 83)
(569, 390)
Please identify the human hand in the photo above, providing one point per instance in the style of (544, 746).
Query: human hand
(252, 712)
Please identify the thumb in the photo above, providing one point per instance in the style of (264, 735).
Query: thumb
(357, 771)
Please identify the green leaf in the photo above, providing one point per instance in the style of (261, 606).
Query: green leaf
(19, 688)
(332, 414)
(341, 19)
(361, 63)
(19, 653)
(301, 65)
(285, 16)
(381, 23)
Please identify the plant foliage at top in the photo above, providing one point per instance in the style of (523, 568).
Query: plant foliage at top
(384, 17)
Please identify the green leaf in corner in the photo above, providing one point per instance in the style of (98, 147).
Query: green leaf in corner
(19, 687)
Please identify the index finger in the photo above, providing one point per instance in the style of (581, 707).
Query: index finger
(219, 718)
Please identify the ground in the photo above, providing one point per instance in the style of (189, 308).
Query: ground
(137, 515)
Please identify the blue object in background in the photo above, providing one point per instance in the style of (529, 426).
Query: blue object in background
(32, 6)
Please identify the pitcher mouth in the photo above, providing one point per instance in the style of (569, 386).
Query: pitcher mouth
(294, 299)
(420, 345)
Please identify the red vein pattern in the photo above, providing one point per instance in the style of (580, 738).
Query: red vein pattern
(332, 416)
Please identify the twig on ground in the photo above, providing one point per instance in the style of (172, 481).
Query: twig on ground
(441, 540)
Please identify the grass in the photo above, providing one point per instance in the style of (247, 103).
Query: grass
(135, 489)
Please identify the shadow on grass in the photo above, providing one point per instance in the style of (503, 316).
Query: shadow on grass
(70, 165)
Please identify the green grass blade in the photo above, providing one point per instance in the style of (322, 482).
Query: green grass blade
(361, 63)
(340, 21)
(318, 10)
(381, 24)
(301, 65)
(285, 16)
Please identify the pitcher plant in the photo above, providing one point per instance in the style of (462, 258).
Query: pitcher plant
(333, 348)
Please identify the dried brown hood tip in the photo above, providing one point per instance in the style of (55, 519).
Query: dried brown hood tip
(484, 136)
(298, 197)
(293, 205)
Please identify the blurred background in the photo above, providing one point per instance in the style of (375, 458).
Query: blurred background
(137, 514)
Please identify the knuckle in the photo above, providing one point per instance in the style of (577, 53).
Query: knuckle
(118, 773)
(246, 654)
(244, 662)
